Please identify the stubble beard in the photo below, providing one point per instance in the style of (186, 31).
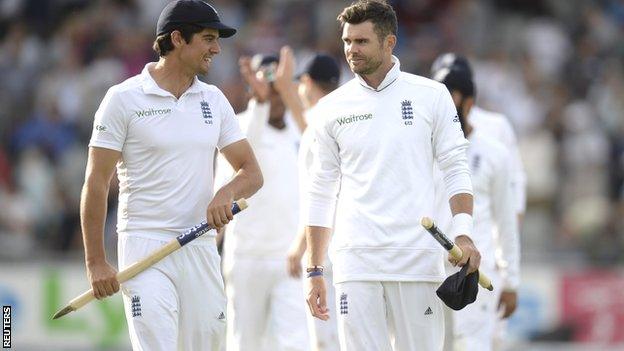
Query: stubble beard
(370, 67)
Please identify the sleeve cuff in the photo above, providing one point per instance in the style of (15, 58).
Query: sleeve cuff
(320, 214)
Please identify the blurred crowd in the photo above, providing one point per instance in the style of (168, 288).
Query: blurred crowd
(555, 68)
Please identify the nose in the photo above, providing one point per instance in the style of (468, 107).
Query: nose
(347, 48)
(351, 48)
(216, 48)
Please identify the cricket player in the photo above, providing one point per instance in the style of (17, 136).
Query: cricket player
(320, 77)
(160, 129)
(494, 207)
(496, 126)
(264, 302)
(376, 144)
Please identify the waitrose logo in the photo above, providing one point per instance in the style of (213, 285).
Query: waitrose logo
(354, 118)
(152, 112)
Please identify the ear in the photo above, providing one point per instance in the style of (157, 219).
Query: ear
(391, 41)
(176, 39)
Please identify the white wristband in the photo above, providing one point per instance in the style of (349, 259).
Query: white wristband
(462, 224)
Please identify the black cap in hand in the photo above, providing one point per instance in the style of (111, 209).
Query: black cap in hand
(459, 289)
(194, 12)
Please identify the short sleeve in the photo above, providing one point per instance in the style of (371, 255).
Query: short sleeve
(230, 130)
(111, 123)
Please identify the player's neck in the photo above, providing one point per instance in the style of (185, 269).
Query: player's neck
(468, 129)
(172, 77)
(374, 79)
(314, 96)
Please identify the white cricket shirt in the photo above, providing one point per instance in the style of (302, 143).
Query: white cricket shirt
(373, 161)
(167, 150)
(267, 228)
(497, 126)
(494, 205)
(306, 159)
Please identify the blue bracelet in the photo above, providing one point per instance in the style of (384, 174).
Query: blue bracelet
(315, 274)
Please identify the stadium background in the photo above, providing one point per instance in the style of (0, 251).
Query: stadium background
(554, 67)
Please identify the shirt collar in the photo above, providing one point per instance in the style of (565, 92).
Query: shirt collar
(151, 87)
(391, 76)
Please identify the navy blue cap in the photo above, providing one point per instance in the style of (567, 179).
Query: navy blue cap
(456, 78)
(194, 12)
(451, 59)
(323, 68)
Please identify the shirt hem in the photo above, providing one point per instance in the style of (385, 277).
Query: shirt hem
(206, 239)
(105, 145)
(232, 141)
(388, 278)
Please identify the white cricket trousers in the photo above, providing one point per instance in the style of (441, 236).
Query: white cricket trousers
(385, 316)
(474, 325)
(266, 307)
(177, 304)
(324, 334)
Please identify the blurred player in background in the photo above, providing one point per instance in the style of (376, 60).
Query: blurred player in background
(161, 129)
(320, 77)
(376, 144)
(264, 302)
(494, 208)
(497, 126)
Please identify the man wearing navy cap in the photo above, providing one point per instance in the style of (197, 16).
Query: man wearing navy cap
(494, 208)
(498, 127)
(161, 129)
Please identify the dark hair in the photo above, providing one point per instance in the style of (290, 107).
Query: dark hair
(162, 45)
(377, 11)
